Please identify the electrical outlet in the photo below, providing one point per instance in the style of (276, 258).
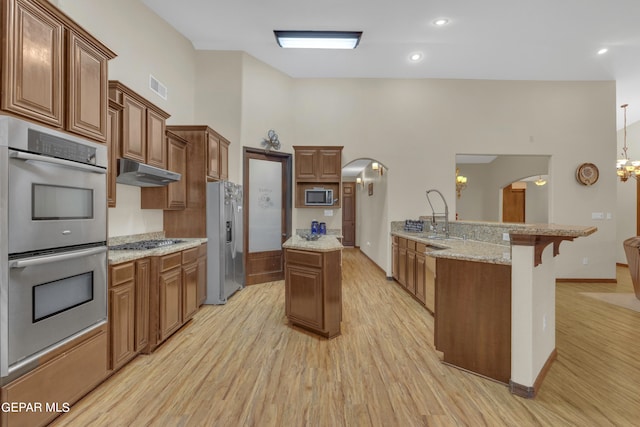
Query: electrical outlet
(544, 322)
(505, 237)
(585, 261)
(328, 212)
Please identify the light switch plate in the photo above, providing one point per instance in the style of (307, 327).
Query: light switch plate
(597, 215)
(328, 212)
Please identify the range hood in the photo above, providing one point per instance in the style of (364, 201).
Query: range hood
(139, 174)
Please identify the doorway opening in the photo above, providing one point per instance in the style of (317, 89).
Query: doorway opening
(364, 206)
(267, 213)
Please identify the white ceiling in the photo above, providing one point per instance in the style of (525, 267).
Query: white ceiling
(489, 39)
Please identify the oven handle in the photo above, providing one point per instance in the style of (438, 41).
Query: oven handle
(56, 258)
(60, 162)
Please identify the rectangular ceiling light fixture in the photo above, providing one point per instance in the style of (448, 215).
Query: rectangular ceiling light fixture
(318, 39)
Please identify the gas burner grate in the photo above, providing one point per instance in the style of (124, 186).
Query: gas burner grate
(144, 245)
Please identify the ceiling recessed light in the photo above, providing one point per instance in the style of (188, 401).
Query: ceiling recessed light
(415, 57)
(318, 39)
(440, 22)
(603, 51)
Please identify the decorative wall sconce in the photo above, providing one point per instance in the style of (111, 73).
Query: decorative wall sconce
(378, 168)
(461, 182)
(272, 142)
(359, 182)
(540, 182)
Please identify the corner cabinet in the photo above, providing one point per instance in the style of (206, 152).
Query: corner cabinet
(313, 290)
(67, 91)
(207, 154)
(317, 166)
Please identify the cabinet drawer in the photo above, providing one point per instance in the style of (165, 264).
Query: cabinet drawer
(421, 248)
(402, 242)
(411, 244)
(167, 262)
(395, 240)
(312, 259)
(189, 255)
(122, 273)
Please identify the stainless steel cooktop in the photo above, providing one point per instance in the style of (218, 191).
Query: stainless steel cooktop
(144, 244)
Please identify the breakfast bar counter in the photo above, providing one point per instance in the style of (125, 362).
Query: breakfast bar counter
(494, 310)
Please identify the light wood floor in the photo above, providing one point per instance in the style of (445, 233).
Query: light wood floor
(242, 365)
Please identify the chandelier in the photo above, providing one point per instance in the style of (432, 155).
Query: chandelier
(625, 167)
(461, 182)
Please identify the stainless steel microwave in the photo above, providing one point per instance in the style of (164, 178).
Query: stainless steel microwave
(318, 197)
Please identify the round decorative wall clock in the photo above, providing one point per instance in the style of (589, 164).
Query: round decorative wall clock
(587, 174)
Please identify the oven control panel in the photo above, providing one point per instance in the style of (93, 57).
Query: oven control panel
(55, 146)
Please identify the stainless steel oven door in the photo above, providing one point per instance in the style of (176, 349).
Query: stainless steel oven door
(52, 298)
(54, 203)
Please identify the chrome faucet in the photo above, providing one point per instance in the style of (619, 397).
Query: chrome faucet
(434, 214)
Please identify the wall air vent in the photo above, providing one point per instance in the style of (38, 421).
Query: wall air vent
(157, 87)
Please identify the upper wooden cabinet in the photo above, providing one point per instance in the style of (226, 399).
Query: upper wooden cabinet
(174, 195)
(142, 127)
(217, 156)
(53, 71)
(318, 166)
(113, 146)
(211, 149)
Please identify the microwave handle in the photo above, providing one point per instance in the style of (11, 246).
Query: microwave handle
(60, 162)
(31, 262)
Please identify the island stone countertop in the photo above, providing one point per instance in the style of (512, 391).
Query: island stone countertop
(325, 243)
(120, 256)
(457, 248)
(481, 251)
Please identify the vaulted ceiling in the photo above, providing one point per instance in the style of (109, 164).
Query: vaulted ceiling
(489, 39)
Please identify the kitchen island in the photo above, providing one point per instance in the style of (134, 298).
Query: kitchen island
(313, 284)
(495, 299)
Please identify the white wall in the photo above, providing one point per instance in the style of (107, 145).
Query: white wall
(416, 127)
(372, 227)
(145, 44)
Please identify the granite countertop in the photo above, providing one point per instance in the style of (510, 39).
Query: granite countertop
(120, 256)
(554, 230)
(474, 250)
(456, 248)
(325, 243)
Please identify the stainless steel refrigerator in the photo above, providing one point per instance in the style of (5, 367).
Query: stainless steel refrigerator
(225, 268)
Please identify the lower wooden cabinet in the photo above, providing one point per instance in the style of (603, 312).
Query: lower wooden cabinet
(128, 311)
(122, 323)
(169, 304)
(313, 290)
(177, 283)
(414, 270)
(143, 277)
(202, 274)
(59, 381)
(189, 283)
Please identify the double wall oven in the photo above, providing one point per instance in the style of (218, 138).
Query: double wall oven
(53, 233)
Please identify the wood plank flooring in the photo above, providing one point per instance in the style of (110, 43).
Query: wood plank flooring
(241, 365)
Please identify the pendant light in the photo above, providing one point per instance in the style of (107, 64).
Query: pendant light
(626, 168)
